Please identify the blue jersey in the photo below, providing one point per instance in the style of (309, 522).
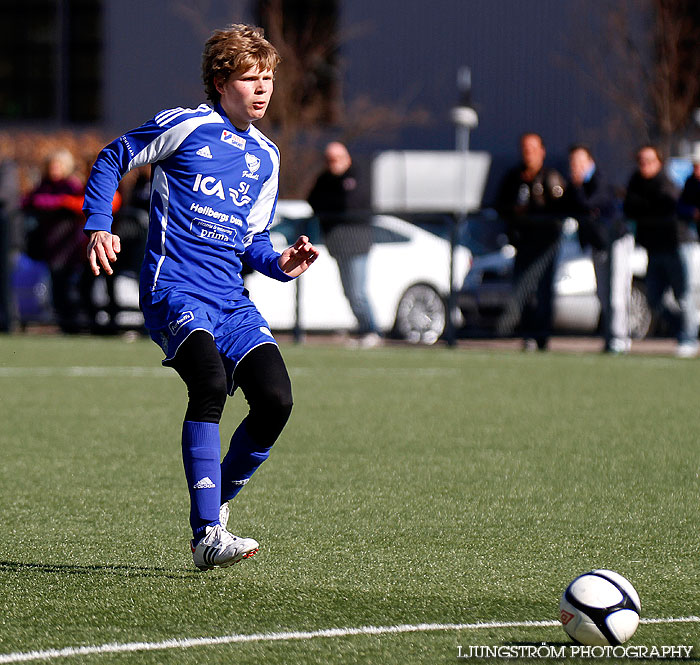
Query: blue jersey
(213, 197)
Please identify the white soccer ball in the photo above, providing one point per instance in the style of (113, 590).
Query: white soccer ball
(600, 608)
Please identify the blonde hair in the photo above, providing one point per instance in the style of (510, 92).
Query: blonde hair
(233, 51)
(61, 156)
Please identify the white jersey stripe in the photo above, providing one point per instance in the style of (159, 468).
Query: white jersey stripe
(160, 185)
(170, 140)
(164, 117)
(260, 216)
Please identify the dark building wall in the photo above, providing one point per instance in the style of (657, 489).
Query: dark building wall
(153, 52)
(522, 53)
(526, 72)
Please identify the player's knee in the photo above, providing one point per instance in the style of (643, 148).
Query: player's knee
(269, 414)
(207, 397)
(279, 403)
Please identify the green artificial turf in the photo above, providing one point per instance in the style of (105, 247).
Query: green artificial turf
(411, 486)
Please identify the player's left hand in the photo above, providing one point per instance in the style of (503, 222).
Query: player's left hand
(296, 259)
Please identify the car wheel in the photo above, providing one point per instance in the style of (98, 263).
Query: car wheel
(421, 314)
(641, 317)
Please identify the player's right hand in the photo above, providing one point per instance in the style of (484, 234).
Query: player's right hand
(102, 251)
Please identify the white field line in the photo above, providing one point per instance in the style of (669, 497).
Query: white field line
(187, 643)
(99, 372)
(165, 373)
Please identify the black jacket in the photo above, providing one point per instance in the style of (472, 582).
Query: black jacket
(341, 204)
(594, 207)
(533, 209)
(651, 203)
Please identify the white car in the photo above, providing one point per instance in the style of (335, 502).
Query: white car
(488, 288)
(408, 279)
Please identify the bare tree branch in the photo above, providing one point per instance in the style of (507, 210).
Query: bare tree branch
(644, 56)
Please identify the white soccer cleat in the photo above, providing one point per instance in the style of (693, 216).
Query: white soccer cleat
(220, 549)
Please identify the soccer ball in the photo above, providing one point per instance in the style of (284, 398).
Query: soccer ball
(600, 608)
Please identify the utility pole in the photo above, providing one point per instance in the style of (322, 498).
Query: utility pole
(465, 119)
(464, 116)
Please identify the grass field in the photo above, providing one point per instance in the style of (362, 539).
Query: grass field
(411, 486)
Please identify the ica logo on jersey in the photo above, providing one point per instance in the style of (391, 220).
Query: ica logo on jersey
(211, 186)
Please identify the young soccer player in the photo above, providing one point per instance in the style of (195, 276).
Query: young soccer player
(213, 196)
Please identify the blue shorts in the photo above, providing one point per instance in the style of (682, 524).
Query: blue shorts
(237, 327)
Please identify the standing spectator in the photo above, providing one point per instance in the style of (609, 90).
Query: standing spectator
(651, 202)
(340, 198)
(58, 239)
(591, 201)
(530, 199)
(689, 211)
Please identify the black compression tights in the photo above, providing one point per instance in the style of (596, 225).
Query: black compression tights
(261, 375)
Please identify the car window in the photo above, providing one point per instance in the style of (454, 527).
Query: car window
(381, 235)
(484, 232)
(291, 229)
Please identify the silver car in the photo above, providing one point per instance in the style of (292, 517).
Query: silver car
(488, 286)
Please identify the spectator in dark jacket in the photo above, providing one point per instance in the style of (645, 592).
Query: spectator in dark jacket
(340, 199)
(591, 201)
(651, 203)
(530, 199)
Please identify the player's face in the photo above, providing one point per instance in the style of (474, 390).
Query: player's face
(245, 97)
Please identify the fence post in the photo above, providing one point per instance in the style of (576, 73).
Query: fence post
(301, 228)
(298, 330)
(455, 222)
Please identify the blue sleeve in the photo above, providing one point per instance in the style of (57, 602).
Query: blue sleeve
(107, 171)
(137, 147)
(261, 256)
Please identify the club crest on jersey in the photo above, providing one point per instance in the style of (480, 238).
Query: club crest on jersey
(233, 139)
(253, 164)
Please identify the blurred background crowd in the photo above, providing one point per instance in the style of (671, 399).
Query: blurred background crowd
(567, 102)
